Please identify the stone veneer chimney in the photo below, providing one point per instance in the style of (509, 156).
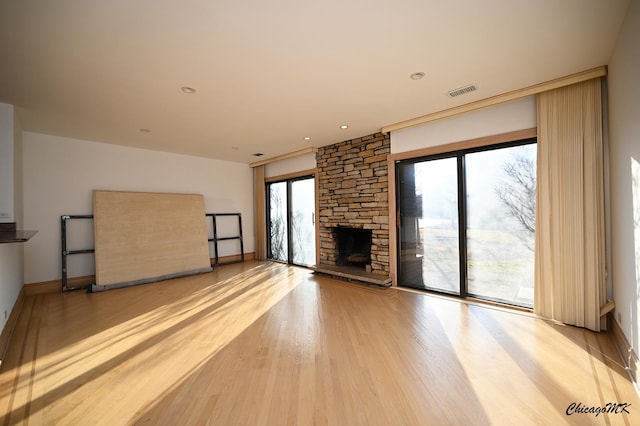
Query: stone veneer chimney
(353, 192)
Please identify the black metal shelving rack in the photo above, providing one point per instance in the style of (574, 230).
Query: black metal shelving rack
(216, 239)
(66, 253)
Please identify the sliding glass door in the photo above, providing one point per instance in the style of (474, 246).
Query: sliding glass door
(303, 229)
(278, 221)
(500, 208)
(429, 231)
(292, 232)
(467, 223)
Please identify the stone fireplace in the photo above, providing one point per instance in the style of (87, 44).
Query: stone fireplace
(353, 194)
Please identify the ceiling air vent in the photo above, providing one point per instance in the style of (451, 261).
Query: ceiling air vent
(462, 90)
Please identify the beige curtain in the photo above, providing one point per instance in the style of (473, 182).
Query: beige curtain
(259, 216)
(570, 281)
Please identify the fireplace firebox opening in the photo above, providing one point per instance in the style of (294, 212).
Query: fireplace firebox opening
(354, 246)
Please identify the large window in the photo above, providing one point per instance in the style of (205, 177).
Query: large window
(467, 222)
(291, 221)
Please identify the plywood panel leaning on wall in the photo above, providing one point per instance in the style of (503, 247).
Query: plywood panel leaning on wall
(142, 237)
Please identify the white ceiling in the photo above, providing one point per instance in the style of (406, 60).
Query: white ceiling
(270, 73)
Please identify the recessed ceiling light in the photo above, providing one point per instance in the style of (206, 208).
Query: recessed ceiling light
(145, 130)
(187, 89)
(307, 138)
(344, 126)
(417, 75)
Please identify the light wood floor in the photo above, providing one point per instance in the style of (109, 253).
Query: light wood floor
(262, 343)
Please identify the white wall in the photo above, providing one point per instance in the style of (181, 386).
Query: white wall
(11, 255)
(61, 173)
(6, 162)
(17, 173)
(624, 154)
(11, 278)
(507, 117)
